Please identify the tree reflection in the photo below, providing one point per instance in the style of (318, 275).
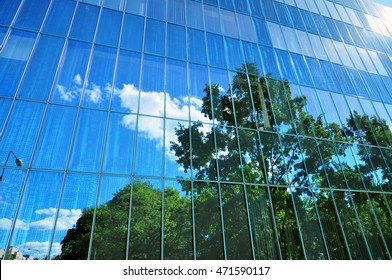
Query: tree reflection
(258, 138)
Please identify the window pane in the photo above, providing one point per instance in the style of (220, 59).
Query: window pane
(216, 52)
(176, 11)
(212, 19)
(8, 9)
(229, 26)
(70, 78)
(194, 14)
(84, 23)
(156, 9)
(176, 41)
(132, 33)
(137, 7)
(55, 138)
(177, 102)
(109, 27)
(87, 146)
(37, 215)
(196, 46)
(13, 59)
(59, 17)
(38, 78)
(155, 37)
(31, 14)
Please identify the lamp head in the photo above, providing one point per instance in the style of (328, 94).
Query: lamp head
(19, 162)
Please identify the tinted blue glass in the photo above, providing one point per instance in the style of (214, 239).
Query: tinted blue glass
(229, 25)
(176, 41)
(212, 19)
(332, 80)
(283, 14)
(216, 52)
(360, 87)
(55, 138)
(155, 37)
(322, 27)
(5, 105)
(21, 131)
(152, 95)
(3, 33)
(87, 145)
(194, 14)
(262, 32)
(119, 144)
(269, 63)
(137, 7)
(285, 66)
(176, 11)
(69, 82)
(114, 4)
(386, 62)
(246, 28)
(251, 53)
(226, 4)
(84, 23)
(241, 6)
(344, 32)
(126, 87)
(333, 31)
(317, 73)
(59, 17)
(269, 10)
(355, 36)
(109, 27)
(13, 58)
(38, 210)
(212, 2)
(256, 8)
(156, 9)
(234, 53)
(384, 86)
(308, 21)
(302, 70)
(149, 145)
(8, 10)
(132, 32)
(198, 78)
(374, 89)
(39, 76)
(347, 86)
(296, 18)
(177, 90)
(98, 89)
(196, 46)
(153, 74)
(32, 14)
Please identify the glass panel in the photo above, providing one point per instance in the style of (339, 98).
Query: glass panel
(114, 4)
(21, 132)
(55, 138)
(132, 32)
(212, 19)
(152, 100)
(97, 92)
(194, 14)
(84, 23)
(10, 192)
(177, 101)
(238, 245)
(176, 41)
(355, 239)
(38, 78)
(176, 11)
(72, 69)
(371, 229)
(329, 218)
(178, 234)
(109, 27)
(246, 28)
(216, 52)
(287, 226)
(59, 17)
(177, 149)
(148, 159)
(208, 227)
(126, 86)
(156, 9)
(119, 144)
(8, 9)
(13, 58)
(31, 14)
(136, 7)
(36, 217)
(87, 145)
(111, 219)
(155, 37)
(229, 26)
(263, 223)
(75, 217)
(262, 32)
(5, 105)
(146, 220)
(234, 54)
(380, 206)
(196, 46)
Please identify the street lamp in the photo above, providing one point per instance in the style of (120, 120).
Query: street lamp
(18, 162)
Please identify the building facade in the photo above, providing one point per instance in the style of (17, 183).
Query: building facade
(190, 129)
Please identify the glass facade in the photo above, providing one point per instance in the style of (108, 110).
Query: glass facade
(190, 129)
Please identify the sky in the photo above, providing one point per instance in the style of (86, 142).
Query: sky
(384, 2)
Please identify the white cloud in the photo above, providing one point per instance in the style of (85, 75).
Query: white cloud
(39, 249)
(77, 79)
(66, 219)
(94, 94)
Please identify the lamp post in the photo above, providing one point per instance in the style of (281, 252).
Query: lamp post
(18, 162)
